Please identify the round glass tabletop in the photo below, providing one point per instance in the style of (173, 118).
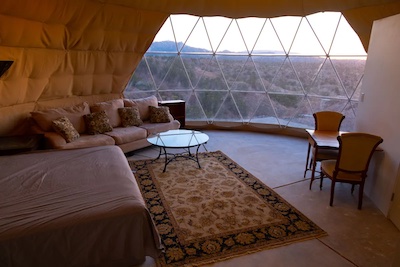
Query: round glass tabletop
(180, 138)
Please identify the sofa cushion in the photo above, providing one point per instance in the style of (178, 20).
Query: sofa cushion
(123, 135)
(44, 118)
(143, 105)
(130, 116)
(65, 128)
(97, 122)
(159, 114)
(111, 108)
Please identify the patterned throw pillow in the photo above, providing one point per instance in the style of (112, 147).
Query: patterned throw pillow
(97, 123)
(64, 127)
(130, 116)
(159, 114)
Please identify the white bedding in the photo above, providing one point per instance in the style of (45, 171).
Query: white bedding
(73, 208)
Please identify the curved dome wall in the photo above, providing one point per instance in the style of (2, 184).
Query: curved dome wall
(69, 51)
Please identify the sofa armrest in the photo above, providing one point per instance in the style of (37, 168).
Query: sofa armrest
(53, 140)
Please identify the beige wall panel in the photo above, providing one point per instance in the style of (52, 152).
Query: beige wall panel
(10, 93)
(14, 119)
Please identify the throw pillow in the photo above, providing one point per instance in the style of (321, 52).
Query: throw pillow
(159, 114)
(97, 123)
(130, 116)
(64, 127)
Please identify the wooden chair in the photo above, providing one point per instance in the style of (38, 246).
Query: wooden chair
(324, 121)
(351, 166)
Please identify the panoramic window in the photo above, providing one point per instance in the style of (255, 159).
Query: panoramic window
(256, 71)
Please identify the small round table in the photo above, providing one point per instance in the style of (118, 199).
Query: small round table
(178, 139)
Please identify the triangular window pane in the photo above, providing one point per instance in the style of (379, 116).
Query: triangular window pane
(198, 40)
(216, 33)
(182, 27)
(307, 69)
(164, 34)
(268, 67)
(248, 79)
(303, 116)
(305, 42)
(265, 113)
(211, 77)
(250, 29)
(228, 111)
(286, 28)
(326, 30)
(286, 80)
(231, 66)
(327, 83)
(248, 103)
(176, 77)
(357, 93)
(350, 71)
(268, 42)
(211, 102)
(326, 103)
(349, 121)
(197, 66)
(194, 110)
(141, 80)
(233, 41)
(285, 106)
(159, 65)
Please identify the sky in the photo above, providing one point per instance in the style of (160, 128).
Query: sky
(284, 34)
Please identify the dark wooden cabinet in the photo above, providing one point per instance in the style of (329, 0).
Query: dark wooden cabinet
(177, 108)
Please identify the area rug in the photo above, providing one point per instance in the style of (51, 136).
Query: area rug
(217, 212)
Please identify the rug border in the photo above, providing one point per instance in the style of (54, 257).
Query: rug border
(250, 249)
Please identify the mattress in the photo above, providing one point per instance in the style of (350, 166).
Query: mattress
(73, 208)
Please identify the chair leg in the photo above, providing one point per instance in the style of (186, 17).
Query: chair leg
(307, 162)
(360, 195)
(314, 165)
(352, 188)
(322, 179)
(332, 192)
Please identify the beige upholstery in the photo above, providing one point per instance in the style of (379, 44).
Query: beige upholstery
(328, 120)
(324, 121)
(351, 166)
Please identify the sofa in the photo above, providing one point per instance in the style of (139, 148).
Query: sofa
(123, 122)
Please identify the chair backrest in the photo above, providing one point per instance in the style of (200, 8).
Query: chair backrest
(355, 151)
(328, 120)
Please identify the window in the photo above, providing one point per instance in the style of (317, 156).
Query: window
(254, 70)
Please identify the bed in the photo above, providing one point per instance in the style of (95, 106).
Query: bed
(73, 208)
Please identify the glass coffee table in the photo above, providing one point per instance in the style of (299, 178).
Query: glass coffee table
(178, 139)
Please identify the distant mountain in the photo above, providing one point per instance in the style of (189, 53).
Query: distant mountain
(170, 46)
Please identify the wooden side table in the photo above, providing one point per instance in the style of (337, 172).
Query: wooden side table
(177, 108)
(11, 145)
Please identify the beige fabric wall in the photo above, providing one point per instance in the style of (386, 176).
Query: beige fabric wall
(66, 51)
(69, 50)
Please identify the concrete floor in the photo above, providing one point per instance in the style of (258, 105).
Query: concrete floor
(355, 237)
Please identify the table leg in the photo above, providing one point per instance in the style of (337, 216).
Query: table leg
(166, 159)
(314, 165)
(197, 156)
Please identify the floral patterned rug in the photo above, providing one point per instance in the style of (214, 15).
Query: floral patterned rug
(216, 212)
